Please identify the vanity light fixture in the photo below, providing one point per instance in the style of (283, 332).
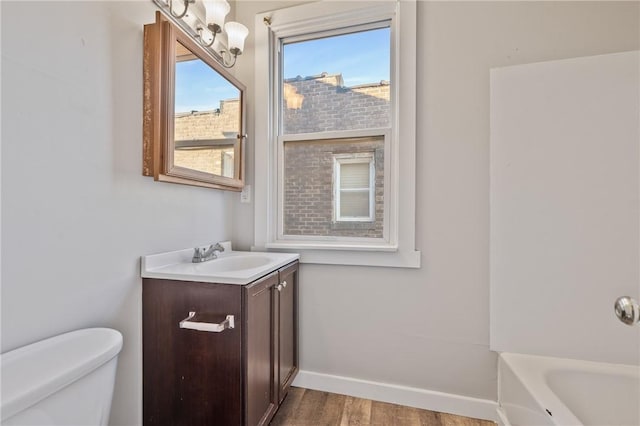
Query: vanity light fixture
(170, 4)
(216, 11)
(214, 31)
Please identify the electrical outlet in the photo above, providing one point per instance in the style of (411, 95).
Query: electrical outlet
(245, 195)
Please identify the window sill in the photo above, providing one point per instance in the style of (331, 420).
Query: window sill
(354, 255)
(353, 226)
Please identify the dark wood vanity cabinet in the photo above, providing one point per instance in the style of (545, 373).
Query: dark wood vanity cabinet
(238, 376)
(287, 348)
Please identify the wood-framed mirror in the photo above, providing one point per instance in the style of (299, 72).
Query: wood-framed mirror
(193, 117)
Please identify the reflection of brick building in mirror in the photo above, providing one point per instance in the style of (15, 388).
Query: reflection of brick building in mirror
(200, 138)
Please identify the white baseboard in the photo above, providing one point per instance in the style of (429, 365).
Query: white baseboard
(502, 417)
(413, 397)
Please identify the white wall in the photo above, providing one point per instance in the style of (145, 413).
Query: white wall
(429, 328)
(564, 206)
(76, 211)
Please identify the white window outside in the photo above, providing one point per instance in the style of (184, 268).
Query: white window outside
(329, 159)
(354, 188)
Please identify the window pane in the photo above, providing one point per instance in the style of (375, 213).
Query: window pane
(354, 204)
(337, 83)
(207, 116)
(354, 175)
(217, 161)
(203, 138)
(309, 192)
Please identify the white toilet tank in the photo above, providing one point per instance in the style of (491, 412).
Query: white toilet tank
(64, 380)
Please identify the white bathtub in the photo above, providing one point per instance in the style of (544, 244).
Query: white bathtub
(540, 391)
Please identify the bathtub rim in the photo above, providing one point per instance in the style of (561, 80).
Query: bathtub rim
(531, 372)
(528, 371)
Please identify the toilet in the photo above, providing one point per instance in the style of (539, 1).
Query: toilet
(64, 380)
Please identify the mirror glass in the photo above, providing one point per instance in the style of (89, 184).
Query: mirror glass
(207, 111)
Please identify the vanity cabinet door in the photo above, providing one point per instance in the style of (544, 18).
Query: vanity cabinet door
(191, 377)
(261, 397)
(287, 302)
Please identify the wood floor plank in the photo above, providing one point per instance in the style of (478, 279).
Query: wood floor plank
(332, 410)
(310, 407)
(356, 412)
(425, 417)
(453, 420)
(305, 407)
(316, 408)
(289, 407)
(383, 414)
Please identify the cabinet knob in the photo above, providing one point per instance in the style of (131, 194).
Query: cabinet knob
(284, 283)
(279, 287)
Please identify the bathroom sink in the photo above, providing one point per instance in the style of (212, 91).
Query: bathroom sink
(231, 267)
(234, 263)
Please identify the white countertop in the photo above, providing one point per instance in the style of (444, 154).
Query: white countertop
(231, 267)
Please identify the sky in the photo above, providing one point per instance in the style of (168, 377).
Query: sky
(361, 58)
(200, 88)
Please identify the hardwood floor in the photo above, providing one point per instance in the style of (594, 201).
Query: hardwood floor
(305, 407)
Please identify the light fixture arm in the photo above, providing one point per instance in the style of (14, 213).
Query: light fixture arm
(184, 12)
(232, 54)
(215, 30)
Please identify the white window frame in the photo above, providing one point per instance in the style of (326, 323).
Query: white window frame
(228, 162)
(356, 158)
(397, 248)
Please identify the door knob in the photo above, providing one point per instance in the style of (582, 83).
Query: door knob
(627, 310)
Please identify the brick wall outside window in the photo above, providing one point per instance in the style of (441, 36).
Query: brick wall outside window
(321, 103)
(308, 189)
(325, 105)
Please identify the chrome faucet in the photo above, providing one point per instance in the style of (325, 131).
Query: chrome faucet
(202, 255)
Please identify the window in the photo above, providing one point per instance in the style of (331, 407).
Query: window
(333, 112)
(336, 80)
(354, 187)
(334, 83)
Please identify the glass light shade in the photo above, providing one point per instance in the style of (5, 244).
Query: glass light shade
(236, 33)
(216, 11)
